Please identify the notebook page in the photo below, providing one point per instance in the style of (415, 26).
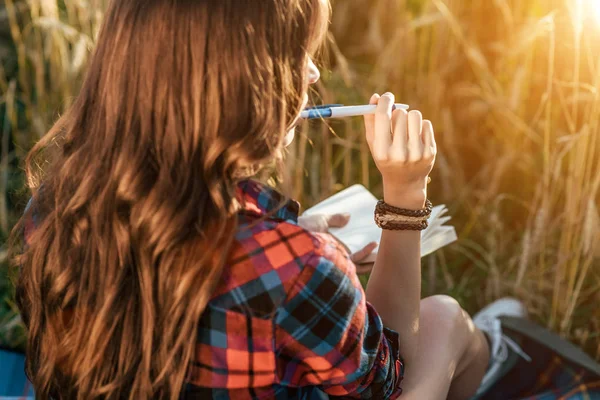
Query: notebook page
(359, 203)
(361, 230)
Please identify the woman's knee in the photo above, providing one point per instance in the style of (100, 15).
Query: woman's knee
(444, 314)
(442, 307)
(445, 323)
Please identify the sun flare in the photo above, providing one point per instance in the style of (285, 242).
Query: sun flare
(593, 7)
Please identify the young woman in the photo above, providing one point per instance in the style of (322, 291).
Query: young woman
(155, 268)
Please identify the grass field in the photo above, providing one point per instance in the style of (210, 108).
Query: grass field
(511, 87)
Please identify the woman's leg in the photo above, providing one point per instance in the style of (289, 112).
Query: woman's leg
(473, 363)
(453, 354)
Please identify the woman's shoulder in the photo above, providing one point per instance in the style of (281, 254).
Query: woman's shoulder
(284, 242)
(269, 219)
(270, 258)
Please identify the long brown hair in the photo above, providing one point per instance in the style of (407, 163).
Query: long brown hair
(136, 201)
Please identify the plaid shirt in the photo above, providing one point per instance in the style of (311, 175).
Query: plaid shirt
(298, 327)
(289, 319)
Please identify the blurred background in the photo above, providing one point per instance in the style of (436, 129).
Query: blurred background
(511, 86)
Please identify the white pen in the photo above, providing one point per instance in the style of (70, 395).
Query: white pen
(339, 111)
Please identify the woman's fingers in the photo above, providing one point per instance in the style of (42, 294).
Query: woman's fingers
(400, 133)
(322, 222)
(364, 268)
(415, 142)
(313, 223)
(383, 127)
(362, 254)
(370, 120)
(429, 145)
(337, 220)
(403, 148)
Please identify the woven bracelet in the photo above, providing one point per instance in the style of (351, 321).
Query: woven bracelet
(383, 207)
(390, 226)
(385, 215)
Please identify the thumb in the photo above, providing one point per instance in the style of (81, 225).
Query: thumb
(362, 254)
(314, 223)
(338, 220)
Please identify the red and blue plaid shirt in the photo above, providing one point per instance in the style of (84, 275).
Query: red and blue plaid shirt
(289, 319)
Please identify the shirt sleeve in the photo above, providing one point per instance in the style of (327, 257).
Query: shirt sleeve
(328, 335)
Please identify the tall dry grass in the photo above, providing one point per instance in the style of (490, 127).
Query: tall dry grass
(512, 89)
(40, 73)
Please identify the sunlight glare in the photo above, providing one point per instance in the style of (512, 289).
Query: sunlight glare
(594, 8)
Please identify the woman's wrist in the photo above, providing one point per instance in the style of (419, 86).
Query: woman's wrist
(403, 197)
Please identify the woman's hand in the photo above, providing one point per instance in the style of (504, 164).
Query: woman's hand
(403, 147)
(322, 223)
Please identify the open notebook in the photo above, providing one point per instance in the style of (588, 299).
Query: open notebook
(361, 230)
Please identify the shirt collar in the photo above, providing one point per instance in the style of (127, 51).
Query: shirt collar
(257, 198)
